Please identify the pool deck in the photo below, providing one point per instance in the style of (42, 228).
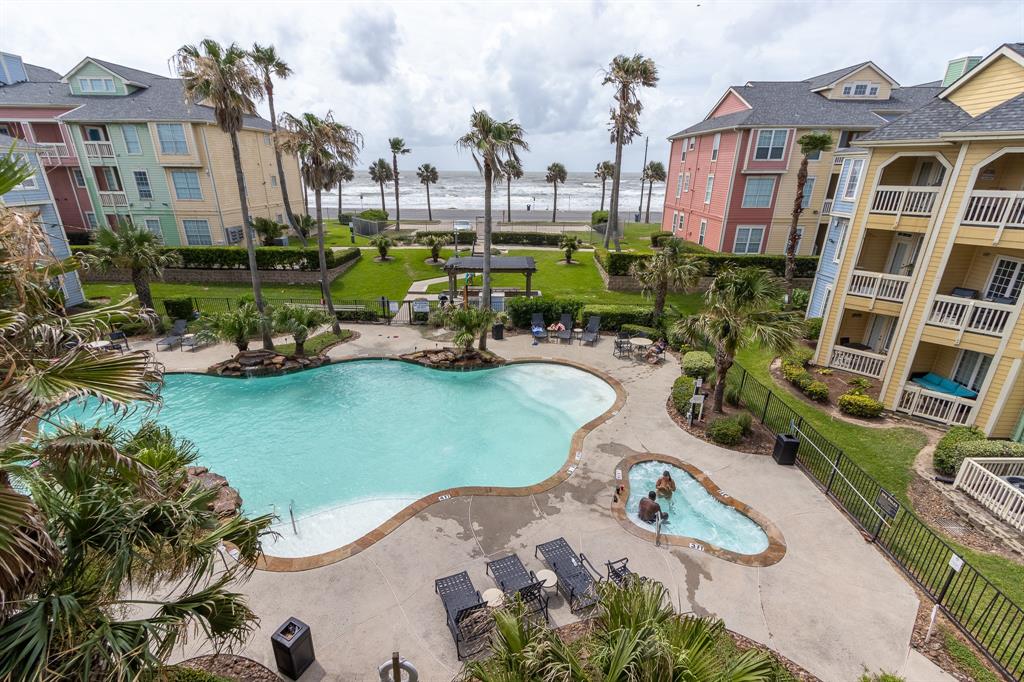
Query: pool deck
(833, 604)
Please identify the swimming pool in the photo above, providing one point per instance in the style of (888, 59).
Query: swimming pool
(351, 444)
(693, 511)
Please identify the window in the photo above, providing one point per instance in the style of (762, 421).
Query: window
(1005, 283)
(853, 169)
(971, 368)
(847, 137)
(197, 232)
(715, 142)
(770, 144)
(186, 185)
(860, 89)
(172, 138)
(142, 184)
(679, 185)
(78, 176)
(703, 231)
(273, 181)
(686, 182)
(686, 143)
(757, 193)
(280, 218)
(153, 225)
(131, 139)
(708, 188)
(5, 130)
(839, 230)
(90, 218)
(112, 182)
(30, 181)
(675, 221)
(96, 84)
(682, 221)
(808, 192)
(748, 240)
(693, 141)
(266, 139)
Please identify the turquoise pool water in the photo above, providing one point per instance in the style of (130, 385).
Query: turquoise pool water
(693, 512)
(351, 444)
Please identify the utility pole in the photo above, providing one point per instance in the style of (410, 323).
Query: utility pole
(640, 208)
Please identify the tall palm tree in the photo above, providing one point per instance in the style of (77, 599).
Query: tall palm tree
(667, 269)
(493, 144)
(345, 174)
(136, 250)
(225, 78)
(427, 175)
(398, 147)
(741, 307)
(603, 171)
(326, 148)
(380, 172)
(555, 174)
(271, 66)
(810, 144)
(654, 172)
(628, 75)
(513, 171)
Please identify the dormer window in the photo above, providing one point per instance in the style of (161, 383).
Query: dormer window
(860, 89)
(102, 85)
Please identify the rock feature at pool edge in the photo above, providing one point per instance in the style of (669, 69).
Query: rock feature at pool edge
(257, 363)
(228, 502)
(451, 358)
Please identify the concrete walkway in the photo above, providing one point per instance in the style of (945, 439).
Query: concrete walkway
(833, 604)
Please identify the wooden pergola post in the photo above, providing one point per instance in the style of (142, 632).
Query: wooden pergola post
(529, 276)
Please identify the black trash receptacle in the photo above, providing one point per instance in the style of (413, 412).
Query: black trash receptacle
(498, 332)
(293, 648)
(785, 448)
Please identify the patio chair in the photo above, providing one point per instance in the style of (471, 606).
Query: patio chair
(465, 613)
(178, 330)
(118, 341)
(537, 327)
(192, 341)
(566, 333)
(617, 571)
(623, 348)
(590, 332)
(513, 578)
(575, 581)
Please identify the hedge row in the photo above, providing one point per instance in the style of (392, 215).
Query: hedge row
(521, 309)
(526, 238)
(236, 257)
(462, 237)
(620, 263)
(614, 316)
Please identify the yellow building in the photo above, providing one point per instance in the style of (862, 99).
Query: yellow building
(928, 289)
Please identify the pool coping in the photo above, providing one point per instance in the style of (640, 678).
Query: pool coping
(773, 554)
(386, 527)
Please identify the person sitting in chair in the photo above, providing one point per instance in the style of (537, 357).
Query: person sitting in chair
(665, 485)
(654, 353)
(650, 509)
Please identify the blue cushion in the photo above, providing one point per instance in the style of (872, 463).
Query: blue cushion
(940, 384)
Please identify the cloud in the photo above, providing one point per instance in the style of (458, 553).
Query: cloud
(369, 44)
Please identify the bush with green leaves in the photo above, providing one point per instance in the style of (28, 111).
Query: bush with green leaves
(345, 219)
(725, 431)
(180, 308)
(236, 326)
(236, 258)
(435, 243)
(659, 239)
(374, 214)
(796, 375)
(978, 448)
(268, 230)
(521, 308)
(183, 674)
(800, 355)
(468, 324)
(621, 263)
(812, 328)
(800, 299)
(383, 244)
(945, 459)
(641, 330)
(676, 341)
(467, 237)
(614, 316)
(817, 391)
(698, 363)
(859, 405)
(526, 238)
(299, 321)
(859, 385)
(682, 391)
(733, 393)
(746, 422)
(598, 217)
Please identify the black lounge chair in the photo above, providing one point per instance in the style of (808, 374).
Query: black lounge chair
(566, 333)
(513, 578)
(537, 327)
(575, 581)
(178, 330)
(590, 332)
(465, 612)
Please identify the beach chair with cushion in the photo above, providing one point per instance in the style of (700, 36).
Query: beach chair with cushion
(566, 333)
(591, 331)
(575, 581)
(178, 330)
(466, 613)
(513, 578)
(537, 327)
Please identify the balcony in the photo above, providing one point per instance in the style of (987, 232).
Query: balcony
(968, 315)
(986, 480)
(918, 401)
(99, 150)
(858, 361)
(113, 199)
(826, 208)
(995, 208)
(901, 200)
(879, 285)
(55, 153)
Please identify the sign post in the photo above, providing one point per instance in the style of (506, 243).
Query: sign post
(956, 564)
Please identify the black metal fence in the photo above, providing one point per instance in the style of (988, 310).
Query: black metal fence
(993, 622)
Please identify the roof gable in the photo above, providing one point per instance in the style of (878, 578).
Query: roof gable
(106, 67)
(1012, 51)
(730, 103)
(819, 83)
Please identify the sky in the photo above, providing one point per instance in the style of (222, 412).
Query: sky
(417, 70)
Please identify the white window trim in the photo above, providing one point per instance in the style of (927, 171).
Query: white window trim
(709, 188)
(184, 136)
(686, 143)
(85, 85)
(202, 195)
(845, 194)
(201, 220)
(799, 239)
(693, 142)
(675, 221)
(75, 174)
(679, 186)
(91, 220)
(757, 143)
(813, 180)
(149, 184)
(703, 231)
(843, 237)
(686, 182)
(273, 181)
(974, 372)
(682, 221)
(736, 236)
(746, 183)
(138, 138)
(715, 144)
(159, 231)
(30, 182)
(995, 264)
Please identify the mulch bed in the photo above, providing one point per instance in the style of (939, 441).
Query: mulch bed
(837, 385)
(232, 667)
(760, 442)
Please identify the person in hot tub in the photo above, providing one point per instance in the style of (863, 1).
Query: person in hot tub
(650, 509)
(665, 485)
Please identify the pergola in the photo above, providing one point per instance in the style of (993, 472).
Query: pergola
(458, 265)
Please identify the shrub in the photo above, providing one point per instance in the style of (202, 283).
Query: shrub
(614, 316)
(733, 382)
(345, 219)
(725, 431)
(812, 328)
(746, 422)
(859, 405)
(236, 258)
(801, 298)
(676, 341)
(526, 238)
(620, 263)
(179, 308)
(521, 309)
(641, 330)
(375, 214)
(598, 217)
(945, 460)
(800, 356)
(824, 371)
(682, 391)
(978, 448)
(817, 391)
(659, 238)
(796, 375)
(858, 385)
(698, 363)
(182, 674)
(463, 237)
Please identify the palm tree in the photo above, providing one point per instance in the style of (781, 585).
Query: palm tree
(493, 144)
(380, 172)
(513, 171)
(628, 75)
(427, 175)
(654, 172)
(225, 79)
(268, 230)
(383, 244)
(300, 321)
(603, 171)
(555, 174)
(569, 244)
(345, 174)
(326, 148)
(810, 144)
(271, 66)
(236, 326)
(435, 242)
(741, 307)
(468, 324)
(665, 270)
(397, 146)
(304, 224)
(136, 250)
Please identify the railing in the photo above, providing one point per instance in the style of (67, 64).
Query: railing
(995, 208)
(918, 401)
(858, 361)
(981, 478)
(826, 208)
(99, 150)
(114, 199)
(900, 201)
(879, 285)
(54, 152)
(967, 315)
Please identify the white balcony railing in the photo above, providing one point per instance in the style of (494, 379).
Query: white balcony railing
(99, 150)
(995, 208)
(899, 200)
(858, 361)
(940, 407)
(826, 208)
(967, 315)
(113, 199)
(982, 479)
(54, 152)
(879, 285)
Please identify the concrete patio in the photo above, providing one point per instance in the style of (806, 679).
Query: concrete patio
(833, 604)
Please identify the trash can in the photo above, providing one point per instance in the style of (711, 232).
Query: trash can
(293, 648)
(498, 331)
(785, 448)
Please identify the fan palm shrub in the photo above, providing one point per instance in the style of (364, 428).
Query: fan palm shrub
(383, 244)
(345, 174)
(468, 324)
(664, 270)
(236, 326)
(603, 171)
(267, 229)
(653, 172)
(435, 242)
(513, 171)
(136, 250)
(569, 244)
(300, 322)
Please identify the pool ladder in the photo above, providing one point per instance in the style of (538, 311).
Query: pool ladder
(657, 530)
(291, 513)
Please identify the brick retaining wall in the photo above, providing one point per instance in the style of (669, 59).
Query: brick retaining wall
(225, 276)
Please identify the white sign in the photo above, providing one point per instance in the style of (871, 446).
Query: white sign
(421, 305)
(393, 306)
(956, 563)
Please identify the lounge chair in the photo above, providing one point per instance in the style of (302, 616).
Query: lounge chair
(119, 341)
(566, 333)
(192, 341)
(537, 327)
(590, 332)
(465, 612)
(178, 330)
(575, 581)
(513, 578)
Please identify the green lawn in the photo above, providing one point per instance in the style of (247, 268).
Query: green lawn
(314, 344)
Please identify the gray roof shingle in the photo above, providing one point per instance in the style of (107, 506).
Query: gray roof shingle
(1007, 117)
(832, 76)
(926, 123)
(41, 73)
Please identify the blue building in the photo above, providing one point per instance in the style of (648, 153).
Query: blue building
(34, 198)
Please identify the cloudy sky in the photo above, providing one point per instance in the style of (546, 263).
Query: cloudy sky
(418, 69)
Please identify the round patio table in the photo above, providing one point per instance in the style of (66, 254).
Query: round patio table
(641, 341)
(494, 597)
(549, 578)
